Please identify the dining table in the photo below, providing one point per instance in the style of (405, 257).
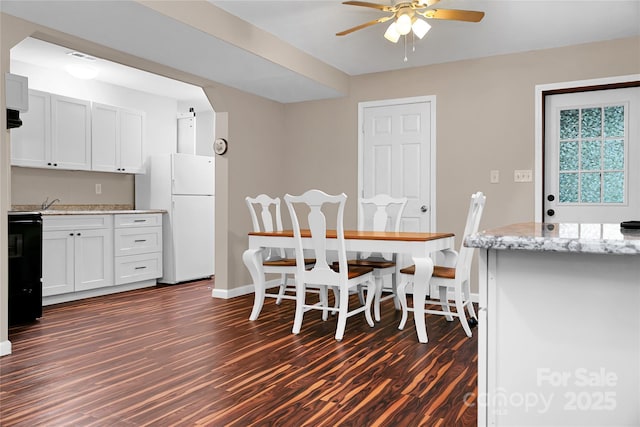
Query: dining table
(417, 245)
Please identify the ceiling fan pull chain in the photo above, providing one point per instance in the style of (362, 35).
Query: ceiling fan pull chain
(413, 41)
(405, 48)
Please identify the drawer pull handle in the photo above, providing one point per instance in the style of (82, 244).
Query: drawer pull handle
(140, 268)
(140, 240)
(139, 220)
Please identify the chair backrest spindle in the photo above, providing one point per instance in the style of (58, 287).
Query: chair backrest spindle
(465, 254)
(269, 222)
(316, 200)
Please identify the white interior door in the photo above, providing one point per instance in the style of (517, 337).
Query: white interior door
(397, 156)
(592, 156)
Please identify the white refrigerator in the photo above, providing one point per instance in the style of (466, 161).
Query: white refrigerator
(183, 185)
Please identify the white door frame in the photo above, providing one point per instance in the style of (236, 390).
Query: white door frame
(401, 101)
(540, 92)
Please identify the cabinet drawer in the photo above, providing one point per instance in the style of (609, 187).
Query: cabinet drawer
(138, 220)
(138, 240)
(76, 222)
(134, 268)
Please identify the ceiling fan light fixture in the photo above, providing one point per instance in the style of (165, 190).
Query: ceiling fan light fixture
(420, 27)
(392, 33)
(403, 24)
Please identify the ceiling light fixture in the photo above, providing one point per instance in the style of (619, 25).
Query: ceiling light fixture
(406, 22)
(81, 71)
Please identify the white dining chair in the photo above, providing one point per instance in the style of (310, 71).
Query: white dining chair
(318, 206)
(453, 275)
(266, 216)
(380, 213)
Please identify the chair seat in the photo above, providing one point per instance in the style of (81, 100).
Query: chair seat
(286, 262)
(438, 271)
(354, 271)
(370, 263)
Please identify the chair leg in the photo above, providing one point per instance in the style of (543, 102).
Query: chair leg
(461, 313)
(343, 308)
(361, 294)
(336, 299)
(324, 301)
(394, 286)
(283, 286)
(300, 300)
(378, 294)
(444, 303)
(371, 287)
(402, 297)
(467, 299)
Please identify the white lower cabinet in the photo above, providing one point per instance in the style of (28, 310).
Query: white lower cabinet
(75, 255)
(138, 247)
(91, 255)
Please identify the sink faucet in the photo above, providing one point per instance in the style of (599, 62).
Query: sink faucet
(46, 204)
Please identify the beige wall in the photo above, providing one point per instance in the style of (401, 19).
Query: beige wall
(485, 116)
(31, 186)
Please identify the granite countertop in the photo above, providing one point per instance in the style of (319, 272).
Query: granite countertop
(563, 237)
(83, 209)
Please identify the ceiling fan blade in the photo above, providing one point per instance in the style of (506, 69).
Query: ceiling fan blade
(383, 7)
(365, 25)
(453, 15)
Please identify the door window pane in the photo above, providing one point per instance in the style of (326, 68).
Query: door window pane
(569, 156)
(592, 150)
(569, 124)
(590, 187)
(591, 122)
(590, 156)
(613, 187)
(568, 187)
(614, 121)
(614, 154)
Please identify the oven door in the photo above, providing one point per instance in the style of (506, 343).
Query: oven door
(25, 267)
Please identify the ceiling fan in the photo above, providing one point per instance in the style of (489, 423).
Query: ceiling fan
(406, 14)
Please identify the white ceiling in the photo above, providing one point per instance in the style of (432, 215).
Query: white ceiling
(509, 26)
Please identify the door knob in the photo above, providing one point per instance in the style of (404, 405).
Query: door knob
(551, 197)
(423, 208)
(551, 212)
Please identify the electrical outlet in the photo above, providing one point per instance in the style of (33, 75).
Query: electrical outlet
(98, 188)
(494, 177)
(522, 175)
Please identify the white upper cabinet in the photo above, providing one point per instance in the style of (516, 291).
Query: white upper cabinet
(70, 133)
(31, 143)
(55, 133)
(117, 139)
(59, 132)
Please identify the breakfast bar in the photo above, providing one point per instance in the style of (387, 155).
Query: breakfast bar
(559, 325)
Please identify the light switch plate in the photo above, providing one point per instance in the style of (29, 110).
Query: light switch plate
(522, 175)
(494, 177)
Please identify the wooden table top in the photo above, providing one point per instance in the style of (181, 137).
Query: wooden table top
(364, 235)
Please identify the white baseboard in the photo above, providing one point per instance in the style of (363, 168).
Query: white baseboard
(243, 290)
(72, 296)
(5, 348)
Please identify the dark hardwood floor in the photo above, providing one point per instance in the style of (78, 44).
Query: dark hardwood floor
(174, 356)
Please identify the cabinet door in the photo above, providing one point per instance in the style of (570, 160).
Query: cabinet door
(70, 133)
(131, 141)
(57, 262)
(105, 137)
(94, 259)
(31, 143)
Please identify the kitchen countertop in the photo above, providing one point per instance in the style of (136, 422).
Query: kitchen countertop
(563, 237)
(83, 210)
